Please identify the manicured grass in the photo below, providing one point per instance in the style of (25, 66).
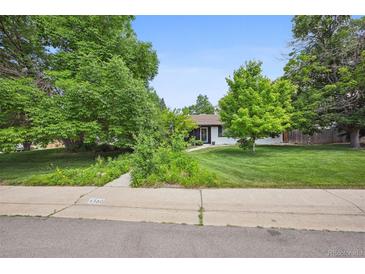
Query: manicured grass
(322, 166)
(50, 167)
(316, 166)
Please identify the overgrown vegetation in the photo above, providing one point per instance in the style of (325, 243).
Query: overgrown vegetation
(195, 142)
(58, 167)
(165, 166)
(159, 157)
(156, 164)
(98, 174)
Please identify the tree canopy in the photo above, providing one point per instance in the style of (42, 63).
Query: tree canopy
(255, 107)
(19, 98)
(327, 64)
(201, 106)
(22, 51)
(90, 74)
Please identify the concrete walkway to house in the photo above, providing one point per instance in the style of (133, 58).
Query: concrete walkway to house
(122, 181)
(205, 146)
(335, 210)
(199, 147)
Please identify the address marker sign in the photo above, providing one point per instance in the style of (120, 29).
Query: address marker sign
(95, 201)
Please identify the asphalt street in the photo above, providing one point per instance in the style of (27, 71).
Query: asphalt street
(62, 237)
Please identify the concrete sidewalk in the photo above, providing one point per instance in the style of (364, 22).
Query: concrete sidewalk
(335, 210)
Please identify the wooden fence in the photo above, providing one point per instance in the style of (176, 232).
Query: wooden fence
(326, 136)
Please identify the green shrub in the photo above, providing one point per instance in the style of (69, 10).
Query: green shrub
(195, 142)
(98, 174)
(154, 164)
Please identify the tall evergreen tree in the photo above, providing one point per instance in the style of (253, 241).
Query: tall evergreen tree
(201, 106)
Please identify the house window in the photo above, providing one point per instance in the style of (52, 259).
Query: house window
(220, 131)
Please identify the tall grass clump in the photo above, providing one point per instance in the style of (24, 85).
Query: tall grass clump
(98, 174)
(156, 162)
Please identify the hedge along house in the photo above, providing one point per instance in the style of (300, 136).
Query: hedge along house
(210, 131)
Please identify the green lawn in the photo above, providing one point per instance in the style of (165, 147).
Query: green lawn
(20, 166)
(322, 166)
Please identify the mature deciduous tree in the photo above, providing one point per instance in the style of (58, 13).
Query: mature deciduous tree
(95, 73)
(100, 38)
(22, 50)
(19, 98)
(101, 103)
(255, 107)
(327, 64)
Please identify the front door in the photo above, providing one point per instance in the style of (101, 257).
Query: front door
(204, 134)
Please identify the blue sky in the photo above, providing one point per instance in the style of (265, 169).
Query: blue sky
(196, 53)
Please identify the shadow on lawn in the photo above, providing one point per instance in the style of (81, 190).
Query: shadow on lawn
(265, 150)
(314, 147)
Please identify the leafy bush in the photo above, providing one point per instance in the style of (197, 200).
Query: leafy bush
(98, 174)
(155, 163)
(195, 142)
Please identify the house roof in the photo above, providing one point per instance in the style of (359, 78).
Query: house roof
(207, 119)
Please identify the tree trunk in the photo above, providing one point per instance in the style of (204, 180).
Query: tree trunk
(74, 145)
(67, 143)
(355, 138)
(71, 145)
(254, 145)
(26, 146)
